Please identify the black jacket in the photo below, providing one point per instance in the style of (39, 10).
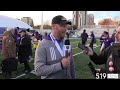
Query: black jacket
(84, 36)
(103, 59)
(25, 47)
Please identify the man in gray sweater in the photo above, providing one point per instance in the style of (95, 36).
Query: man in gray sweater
(50, 61)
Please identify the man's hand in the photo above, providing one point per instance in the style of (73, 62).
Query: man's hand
(65, 62)
(97, 70)
(89, 52)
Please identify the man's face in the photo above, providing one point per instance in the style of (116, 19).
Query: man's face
(117, 34)
(60, 30)
(22, 34)
(106, 35)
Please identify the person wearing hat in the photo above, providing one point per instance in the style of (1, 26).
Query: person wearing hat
(24, 50)
(8, 50)
(50, 61)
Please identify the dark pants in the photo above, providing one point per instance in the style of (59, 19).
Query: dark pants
(83, 42)
(24, 59)
(26, 65)
(8, 66)
(91, 45)
(8, 75)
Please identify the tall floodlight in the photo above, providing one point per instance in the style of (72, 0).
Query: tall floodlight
(41, 28)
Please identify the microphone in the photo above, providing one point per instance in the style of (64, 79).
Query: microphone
(67, 48)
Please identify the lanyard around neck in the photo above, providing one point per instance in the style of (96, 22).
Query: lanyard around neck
(61, 50)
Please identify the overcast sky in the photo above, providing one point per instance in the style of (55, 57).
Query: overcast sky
(36, 15)
(48, 15)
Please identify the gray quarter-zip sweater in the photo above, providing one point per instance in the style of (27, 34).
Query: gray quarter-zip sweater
(47, 62)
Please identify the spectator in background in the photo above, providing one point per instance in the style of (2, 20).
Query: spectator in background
(36, 40)
(106, 41)
(30, 34)
(84, 37)
(17, 38)
(92, 39)
(102, 37)
(8, 50)
(24, 50)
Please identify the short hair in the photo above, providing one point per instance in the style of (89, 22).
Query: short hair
(84, 30)
(23, 31)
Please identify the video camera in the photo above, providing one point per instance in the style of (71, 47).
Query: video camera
(83, 47)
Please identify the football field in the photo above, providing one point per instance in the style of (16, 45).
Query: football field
(80, 59)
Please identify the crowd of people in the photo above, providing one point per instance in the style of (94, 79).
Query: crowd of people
(50, 60)
(17, 47)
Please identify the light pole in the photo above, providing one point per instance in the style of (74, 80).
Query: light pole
(41, 28)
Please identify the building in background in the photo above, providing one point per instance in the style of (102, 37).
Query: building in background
(28, 20)
(79, 18)
(90, 19)
(116, 18)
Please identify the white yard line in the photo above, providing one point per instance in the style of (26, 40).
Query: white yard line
(19, 76)
(77, 54)
(33, 72)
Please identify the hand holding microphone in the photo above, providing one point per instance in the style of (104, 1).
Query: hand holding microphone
(65, 62)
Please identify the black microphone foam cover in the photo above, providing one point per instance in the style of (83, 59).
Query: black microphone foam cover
(67, 42)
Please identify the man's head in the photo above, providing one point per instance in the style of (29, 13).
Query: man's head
(92, 32)
(59, 26)
(10, 29)
(84, 30)
(28, 30)
(117, 35)
(106, 30)
(106, 34)
(22, 33)
(17, 28)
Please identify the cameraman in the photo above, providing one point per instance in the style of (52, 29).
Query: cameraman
(106, 57)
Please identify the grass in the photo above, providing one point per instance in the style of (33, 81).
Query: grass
(81, 67)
